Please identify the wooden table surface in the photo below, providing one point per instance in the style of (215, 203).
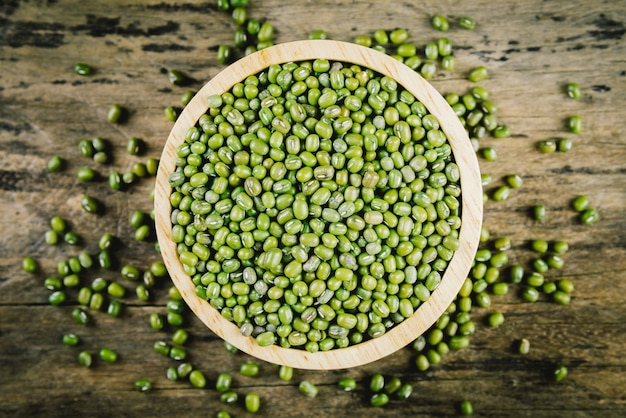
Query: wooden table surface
(531, 49)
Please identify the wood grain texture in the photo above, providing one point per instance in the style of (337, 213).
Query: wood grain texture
(531, 50)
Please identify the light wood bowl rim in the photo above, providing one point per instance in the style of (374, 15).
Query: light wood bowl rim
(471, 205)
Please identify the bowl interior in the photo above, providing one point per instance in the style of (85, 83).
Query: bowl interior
(471, 205)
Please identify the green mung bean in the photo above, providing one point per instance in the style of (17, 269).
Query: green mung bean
(71, 340)
(85, 358)
(560, 373)
(466, 22)
(580, 203)
(156, 321)
(83, 69)
(347, 384)
(489, 154)
(573, 91)
(539, 212)
(440, 22)
(495, 319)
(30, 265)
(108, 355)
(564, 144)
(197, 379)
(561, 297)
(55, 163)
(308, 388)
(575, 124)
(143, 385)
(90, 205)
(590, 216)
(466, 407)
(223, 382)
(249, 369)
(547, 146)
(115, 308)
(252, 402)
(379, 399)
(57, 297)
(377, 382)
(115, 113)
(478, 74)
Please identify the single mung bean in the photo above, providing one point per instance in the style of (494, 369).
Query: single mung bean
(539, 212)
(229, 398)
(489, 154)
(115, 113)
(564, 144)
(55, 163)
(101, 157)
(53, 283)
(171, 373)
(398, 36)
(308, 388)
(285, 373)
(108, 355)
(29, 265)
(156, 321)
(547, 146)
(318, 34)
(561, 297)
(80, 316)
(580, 203)
(347, 384)
(252, 402)
(523, 346)
(115, 308)
(197, 379)
(560, 373)
(514, 181)
(134, 146)
(466, 407)
(540, 246)
(440, 22)
(379, 399)
(57, 297)
(178, 353)
(501, 193)
(143, 385)
(184, 369)
(249, 369)
(81, 68)
(177, 77)
(405, 391)
(495, 319)
(85, 358)
(377, 382)
(590, 216)
(478, 74)
(502, 131)
(90, 204)
(530, 294)
(171, 113)
(466, 22)
(573, 91)
(223, 382)
(575, 124)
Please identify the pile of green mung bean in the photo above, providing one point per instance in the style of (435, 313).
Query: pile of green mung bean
(315, 204)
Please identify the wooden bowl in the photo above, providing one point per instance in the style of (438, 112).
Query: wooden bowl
(471, 205)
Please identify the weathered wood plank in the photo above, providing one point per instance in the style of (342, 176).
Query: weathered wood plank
(531, 50)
